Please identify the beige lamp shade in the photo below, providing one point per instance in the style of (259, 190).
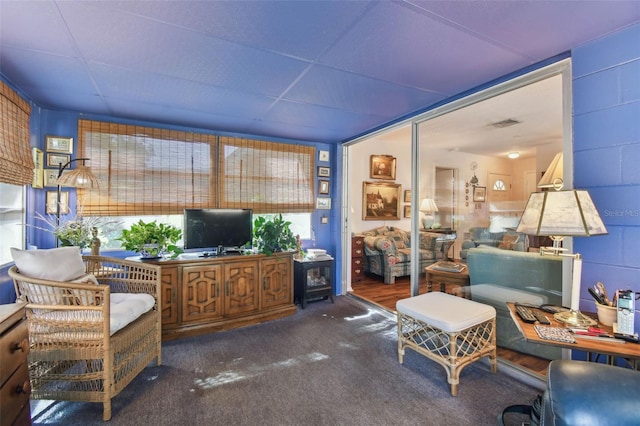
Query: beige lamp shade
(561, 213)
(428, 206)
(80, 177)
(553, 176)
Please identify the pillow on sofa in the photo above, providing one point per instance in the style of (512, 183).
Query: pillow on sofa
(58, 264)
(508, 242)
(400, 238)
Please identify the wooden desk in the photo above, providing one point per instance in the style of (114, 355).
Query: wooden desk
(601, 346)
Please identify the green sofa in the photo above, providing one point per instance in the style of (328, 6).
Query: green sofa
(499, 276)
(481, 236)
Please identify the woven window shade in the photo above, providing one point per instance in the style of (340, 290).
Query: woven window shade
(146, 171)
(265, 176)
(16, 162)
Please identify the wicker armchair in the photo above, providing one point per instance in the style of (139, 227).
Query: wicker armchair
(74, 356)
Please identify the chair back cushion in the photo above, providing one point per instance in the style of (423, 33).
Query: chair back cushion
(58, 264)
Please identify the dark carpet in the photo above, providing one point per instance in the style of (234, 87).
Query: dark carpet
(329, 364)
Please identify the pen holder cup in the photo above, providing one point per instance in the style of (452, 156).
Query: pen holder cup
(607, 315)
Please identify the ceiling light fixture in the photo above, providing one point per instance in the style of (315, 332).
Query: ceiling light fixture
(513, 155)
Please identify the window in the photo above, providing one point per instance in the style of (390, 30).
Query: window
(158, 173)
(499, 185)
(11, 217)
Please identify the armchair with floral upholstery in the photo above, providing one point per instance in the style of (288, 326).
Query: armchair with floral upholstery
(388, 251)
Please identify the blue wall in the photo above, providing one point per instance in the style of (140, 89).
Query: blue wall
(606, 96)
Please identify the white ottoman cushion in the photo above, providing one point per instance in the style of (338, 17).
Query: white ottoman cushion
(501, 295)
(446, 312)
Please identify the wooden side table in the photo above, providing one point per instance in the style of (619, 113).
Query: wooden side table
(449, 282)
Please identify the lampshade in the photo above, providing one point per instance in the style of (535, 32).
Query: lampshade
(428, 206)
(561, 213)
(80, 177)
(553, 176)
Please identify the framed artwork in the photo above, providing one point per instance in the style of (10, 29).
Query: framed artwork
(52, 200)
(380, 201)
(407, 211)
(53, 160)
(323, 187)
(323, 156)
(407, 195)
(50, 177)
(59, 144)
(38, 168)
(382, 167)
(323, 203)
(479, 194)
(324, 219)
(324, 171)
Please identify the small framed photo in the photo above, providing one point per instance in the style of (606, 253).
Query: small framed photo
(407, 211)
(407, 195)
(323, 155)
(59, 144)
(50, 177)
(53, 160)
(479, 194)
(323, 203)
(52, 199)
(383, 167)
(324, 171)
(38, 168)
(324, 219)
(323, 187)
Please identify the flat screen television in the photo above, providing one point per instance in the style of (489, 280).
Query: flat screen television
(212, 228)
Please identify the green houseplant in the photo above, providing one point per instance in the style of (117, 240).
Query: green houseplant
(151, 239)
(273, 235)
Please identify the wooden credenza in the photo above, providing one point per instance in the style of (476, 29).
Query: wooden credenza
(203, 295)
(14, 371)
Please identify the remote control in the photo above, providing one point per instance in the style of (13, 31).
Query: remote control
(542, 318)
(526, 314)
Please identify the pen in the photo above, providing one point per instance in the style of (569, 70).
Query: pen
(605, 338)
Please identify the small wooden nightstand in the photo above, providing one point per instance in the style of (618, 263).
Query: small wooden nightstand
(357, 259)
(14, 371)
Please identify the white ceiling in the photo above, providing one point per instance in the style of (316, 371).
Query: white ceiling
(537, 107)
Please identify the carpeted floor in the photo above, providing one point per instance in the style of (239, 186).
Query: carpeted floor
(329, 364)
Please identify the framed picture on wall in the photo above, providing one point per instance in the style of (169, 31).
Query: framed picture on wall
(323, 155)
(38, 168)
(382, 167)
(407, 195)
(52, 199)
(323, 203)
(50, 177)
(59, 144)
(324, 171)
(53, 160)
(381, 201)
(323, 187)
(479, 194)
(407, 211)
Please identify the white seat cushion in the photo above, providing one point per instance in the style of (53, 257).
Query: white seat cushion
(446, 312)
(127, 307)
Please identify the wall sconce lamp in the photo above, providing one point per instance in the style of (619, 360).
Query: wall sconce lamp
(80, 177)
(559, 214)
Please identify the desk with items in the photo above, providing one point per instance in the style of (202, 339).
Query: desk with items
(587, 340)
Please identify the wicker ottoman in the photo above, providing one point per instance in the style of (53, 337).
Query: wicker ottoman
(452, 331)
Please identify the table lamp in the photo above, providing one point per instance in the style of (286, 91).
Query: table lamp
(559, 214)
(428, 207)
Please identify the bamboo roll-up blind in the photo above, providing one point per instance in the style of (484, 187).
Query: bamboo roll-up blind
(267, 177)
(146, 171)
(16, 162)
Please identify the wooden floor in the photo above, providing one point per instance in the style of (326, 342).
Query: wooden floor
(373, 290)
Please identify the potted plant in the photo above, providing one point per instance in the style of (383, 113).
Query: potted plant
(273, 235)
(151, 239)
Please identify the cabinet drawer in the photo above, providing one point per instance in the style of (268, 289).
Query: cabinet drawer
(14, 348)
(14, 395)
(357, 251)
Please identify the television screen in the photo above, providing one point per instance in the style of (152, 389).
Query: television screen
(210, 228)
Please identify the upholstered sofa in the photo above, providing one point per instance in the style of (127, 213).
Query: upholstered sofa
(499, 276)
(507, 240)
(388, 251)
